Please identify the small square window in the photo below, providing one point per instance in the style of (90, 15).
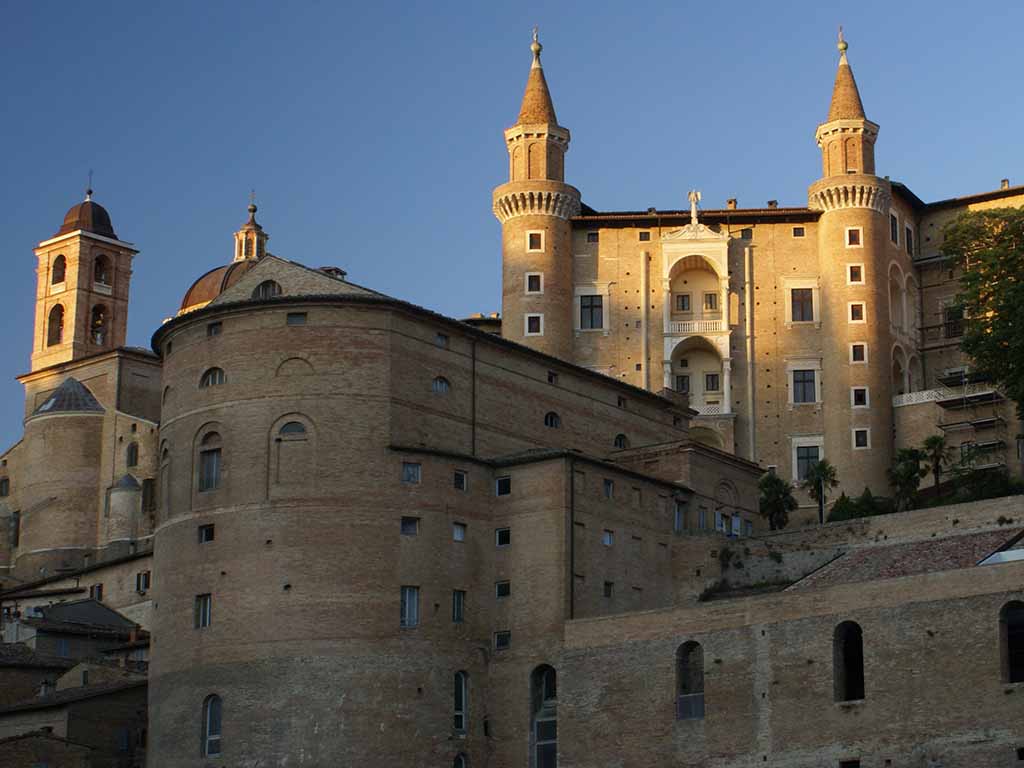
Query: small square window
(857, 312)
(502, 589)
(441, 340)
(746, 234)
(608, 537)
(502, 537)
(645, 237)
(458, 531)
(460, 480)
(849, 764)
(855, 274)
(502, 640)
(712, 382)
(621, 402)
(798, 232)
(853, 237)
(96, 592)
(214, 329)
(682, 302)
(552, 377)
(503, 486)
(609, 588)
(609, 488)
(859, 397)
(535, 325)
(861, 438)
(710, 302)
(410, 526)
(411, 472)
(534, 282)
(206, 533)
(592, 237)
(535, 241)
(858, 352)
(296, 318)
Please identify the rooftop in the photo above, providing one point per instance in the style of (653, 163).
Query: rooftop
(71, 695)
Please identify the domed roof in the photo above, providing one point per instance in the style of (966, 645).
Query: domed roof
(70, 397)
(88, 216)
(213, 284)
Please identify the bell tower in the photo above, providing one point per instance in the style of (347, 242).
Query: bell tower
(83, 276)
(251, 240)
(535, 208)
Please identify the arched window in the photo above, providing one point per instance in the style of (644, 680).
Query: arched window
(690, 681)
(268, 289)
(552, 419)
(848, 662)
(101, 270)
(210, 462)
(131, 455)
(544, 717)
(57, 272)
(461, 702)
(55, 326)
(461, 761)
(621, 441)
(294, 430)
(211, 726)
(98, 325)
(212, 377)
(441, 386)
(1011, 626)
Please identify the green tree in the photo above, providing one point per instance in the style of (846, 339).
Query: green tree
(988, 246)
(776, 500)
(819, 478)
(905, 476)
(936, 453)
(845, 508)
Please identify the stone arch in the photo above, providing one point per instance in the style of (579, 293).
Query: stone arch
(99, 325)
(852, 158)
(848, 662)
(58, 271)
(899, 370)
(911, 292)
(295, 366)
(694, 360)
(165, 479)
(535, 158)
(210, 459)
(834, 161)
(516, 171)
(55, 326)
(897, 297)
(693, 261)
(915, 374)
(291, 469)
(101, 271)
(690, 681)
(707, 436)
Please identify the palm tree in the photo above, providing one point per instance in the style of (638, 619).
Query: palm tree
(819, 478)
(905, 476)
(776, 500)
(937, 453)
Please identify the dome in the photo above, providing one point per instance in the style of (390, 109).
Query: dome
(72, 396)
(88, 216)
(213, 284)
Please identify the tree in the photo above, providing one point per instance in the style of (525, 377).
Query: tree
(905, 476)
(936, 453)
(820, 477)
(776, 500)
(988, 246)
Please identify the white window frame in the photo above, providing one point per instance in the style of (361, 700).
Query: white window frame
(526, 324)
(853, 438)
(410, 606)
(867, 398)
(862, 280)
(543, 240)
(860, 237)
(866, 353)
(849, 312)
(803, 364)
(788, 284)
(805, 441)
(526, 283)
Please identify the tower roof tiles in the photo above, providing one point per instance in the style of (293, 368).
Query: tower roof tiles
(70, 397)
(846, 103)
(537, 106)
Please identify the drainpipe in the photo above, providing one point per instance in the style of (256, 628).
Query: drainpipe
(572, 537)
(645, 377)
(748, 315)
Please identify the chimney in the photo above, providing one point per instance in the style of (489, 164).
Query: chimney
(1004, 184)
(730, 204)
(773, 203)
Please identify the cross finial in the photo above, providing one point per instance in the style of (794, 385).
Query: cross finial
(536, 47)
(694, 199)
(88, 188)
(841, 44)
(252, 196)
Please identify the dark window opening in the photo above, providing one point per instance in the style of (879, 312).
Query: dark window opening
(98, 325)
(101, 271)
(806, 457)
(592, 237)
(690, 681)
(803, 304)
(645, 237)
(295, 318)
(1012, 626)
(803, 387)
(58, 271)
(536, 241)
(55, 326)
(206, 533)
(848, 662)
(798, 231)
(591, 312)
(533, 284)
(552, 420)
(268, 289)
(214, 329)
(544, 717)
(131, 455)
(503, 486)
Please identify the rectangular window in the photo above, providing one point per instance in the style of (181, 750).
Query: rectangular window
(857, 312)
(296, 318)
(411, 472)
(502, 537)
(702, 518)
(502, 640)
(855, 274)
(410, 526)
(710, 302)
(859, 397)
(534, 325)
(63, 647)
(410, 606)
(591, 312)
(849, 764)
(534, 241)
(142, 581)
(802, 304)
(460, 480)
(748, 528)
(214, 329)
(609, 588)
(441, 340)
(798, 232)
(712, 382)
(853, 237)
(148, 494)
(209, 469)
(552, 377)
(803, 387)
(206, 533)
(458, 531)
(894, 228)
(609, 488)
(683, 383)
(15, 529)
(645, 237)
(203, 611)
(746, 234)
(858, 352)
(458, 605)
(502, 589)
(592, 237)
(909, 240)
(5, 486)
(953, 321)
(682, 302)
(96, 592)
(862, 438)
(608, 537)
(534, 282)
(503, 486)
(806, 457)
(679, 520)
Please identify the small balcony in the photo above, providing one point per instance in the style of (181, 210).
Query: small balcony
(687, 327)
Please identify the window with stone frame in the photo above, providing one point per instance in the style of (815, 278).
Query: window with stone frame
(806, 457)
(802, 301)
(591, 312)
(804, 387)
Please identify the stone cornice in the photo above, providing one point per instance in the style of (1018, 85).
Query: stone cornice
(511, 200)
(853, 191)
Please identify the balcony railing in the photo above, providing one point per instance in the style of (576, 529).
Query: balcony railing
(708, 410)
(945, 393)
(680, 327)
(690, 706)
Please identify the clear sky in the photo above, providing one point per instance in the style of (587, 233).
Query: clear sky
(371, 132)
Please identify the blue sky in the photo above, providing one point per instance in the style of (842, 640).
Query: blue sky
(371, 132)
